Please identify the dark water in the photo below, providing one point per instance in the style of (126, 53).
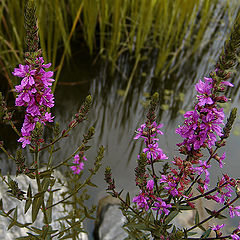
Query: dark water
(116, 119)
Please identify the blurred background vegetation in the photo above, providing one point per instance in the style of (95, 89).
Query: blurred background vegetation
(141, 28)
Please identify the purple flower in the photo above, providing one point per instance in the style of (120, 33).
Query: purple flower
(161, 206)
(76, 157)
(24, 140)
(46, 78)
(24, 72)
(155, 128)
(141, 201)
(140, 132)
(235, 236)
(234, 211)
(227, 84)
(79, 164)
(77, 168)
(48, 117)
(150, 184)
(204, 88)
(152, 151)
(221, 160)
(203, 168)
(217, 227)
(203, 125)
(172, 188)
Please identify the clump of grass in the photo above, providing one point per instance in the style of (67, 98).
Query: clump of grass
(111, 28)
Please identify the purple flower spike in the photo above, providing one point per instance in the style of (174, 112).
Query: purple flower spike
(34, 94)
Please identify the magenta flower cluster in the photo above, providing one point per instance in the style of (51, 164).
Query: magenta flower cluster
(78, 163)
(34, 93)
(148, 133)
(146, 198)
(205, 122)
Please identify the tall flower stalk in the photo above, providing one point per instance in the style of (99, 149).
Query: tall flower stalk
(34, 92)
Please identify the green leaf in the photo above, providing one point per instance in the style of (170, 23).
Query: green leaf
(45, 183)
(21, 225)
(36, 230)
(39, 194)
(87, 147)
(87, 214)
(3, 214)
(128, 199)
(12, 223)
(197, 218)
(49, 210)
(185, 207)
(119, 194)
(207, 233)
(10, 211)
(68, 236)
(171, 216)
(46, 173)
(29, 199)
(34, 236)
(37, 202)
(220, 216)
(1, 204)
(91, 184)
(202, 228)
(210, 212)
(15, 214)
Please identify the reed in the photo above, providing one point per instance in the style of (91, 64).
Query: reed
(109, 27)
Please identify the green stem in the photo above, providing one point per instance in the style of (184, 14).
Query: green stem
(214, 215)
(9, 155)
(202, 195)
(74, 192)
(14, 128)
(40, 189)
(132, 209)
(71, 156)
(67, 229)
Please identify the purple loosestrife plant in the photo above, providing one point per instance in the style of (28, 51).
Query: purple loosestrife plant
(162, 196)
(35, 95)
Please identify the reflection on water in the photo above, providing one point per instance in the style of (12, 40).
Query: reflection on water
(115, 119)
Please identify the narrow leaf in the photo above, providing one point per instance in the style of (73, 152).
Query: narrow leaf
(128, 199)
(197, 218)
(46, 173)
(91, 184)
(207, 233)
(37, 202)
(49, 210)
(171, 216)
(29, 199)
